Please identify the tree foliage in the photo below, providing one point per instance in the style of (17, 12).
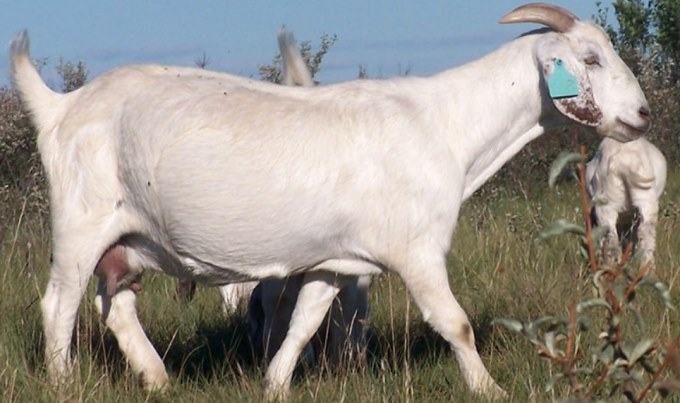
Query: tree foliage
(21, 174)
(73, 75)
(313, 59)
(602, 349)
(645, 31)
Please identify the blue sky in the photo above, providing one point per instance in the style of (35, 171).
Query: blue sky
(237, 36)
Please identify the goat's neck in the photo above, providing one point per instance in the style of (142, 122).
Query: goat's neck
(494, 108)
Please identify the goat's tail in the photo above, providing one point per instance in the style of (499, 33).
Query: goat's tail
(38, 98)
(295, 71)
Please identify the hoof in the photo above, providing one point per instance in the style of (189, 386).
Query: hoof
(156, 382)
(495, 392)
(274, 393)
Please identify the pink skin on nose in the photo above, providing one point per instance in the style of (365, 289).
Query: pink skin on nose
(114, 268)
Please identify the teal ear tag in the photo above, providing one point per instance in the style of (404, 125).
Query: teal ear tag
(561, 83)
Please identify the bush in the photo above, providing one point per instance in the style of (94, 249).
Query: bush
(602, 348)
(22, 182)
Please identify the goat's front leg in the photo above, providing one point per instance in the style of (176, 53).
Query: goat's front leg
(316, 295)
(426, 278)
(607, 216)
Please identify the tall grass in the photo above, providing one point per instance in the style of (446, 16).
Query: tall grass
(497, 269)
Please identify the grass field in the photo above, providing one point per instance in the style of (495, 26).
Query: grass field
(497, 269)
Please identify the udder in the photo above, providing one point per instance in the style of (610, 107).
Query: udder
(114, 269)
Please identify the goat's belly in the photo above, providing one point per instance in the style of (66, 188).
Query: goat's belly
(212, 275)
(265, 211)
(231, 254)
(265, 234)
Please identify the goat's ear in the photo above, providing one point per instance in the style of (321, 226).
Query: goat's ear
(568, 86)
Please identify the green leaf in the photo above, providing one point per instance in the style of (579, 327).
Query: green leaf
(638, 317)
(510, 324)
(607, 354)
(620, 362)
(619, 374)
(550, 385)
(550, 342)
(563, 159)
(642, 348)
(583, 251)
(638, 376)
(549, 322)
(598, 233)
(665, 294)
(627, 348)
(561, 227)
(593, 303)
(620, 291)
(660, 288)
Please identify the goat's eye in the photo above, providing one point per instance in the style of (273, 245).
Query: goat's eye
(592, 60)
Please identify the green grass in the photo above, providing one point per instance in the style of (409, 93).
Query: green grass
(497, 269)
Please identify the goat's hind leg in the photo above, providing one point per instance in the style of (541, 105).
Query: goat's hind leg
(117, 307)
(76, 252)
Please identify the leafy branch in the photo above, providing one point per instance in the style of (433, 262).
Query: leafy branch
(600, 350)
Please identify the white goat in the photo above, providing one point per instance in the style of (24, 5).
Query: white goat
(294, 72)
(622, 177)
(273, 300)
(226, 179)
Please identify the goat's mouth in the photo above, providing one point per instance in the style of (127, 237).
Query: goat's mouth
(625, 131)
(633, 129)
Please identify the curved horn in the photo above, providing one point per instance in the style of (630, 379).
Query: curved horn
(552, 16)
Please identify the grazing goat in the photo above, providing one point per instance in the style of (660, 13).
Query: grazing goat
(622, 177)
(225, 179)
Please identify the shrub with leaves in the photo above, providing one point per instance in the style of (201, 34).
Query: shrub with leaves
(313, 59)
(601, 348)
(22, 183)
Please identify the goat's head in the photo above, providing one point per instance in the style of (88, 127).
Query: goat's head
(594, 87)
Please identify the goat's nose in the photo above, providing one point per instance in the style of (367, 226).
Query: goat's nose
(646, 117)
(645, 113)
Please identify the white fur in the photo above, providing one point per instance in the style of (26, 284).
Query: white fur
(235, 294)
(293, 66)
(624, 176)
(273, 301)
(226, 179)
